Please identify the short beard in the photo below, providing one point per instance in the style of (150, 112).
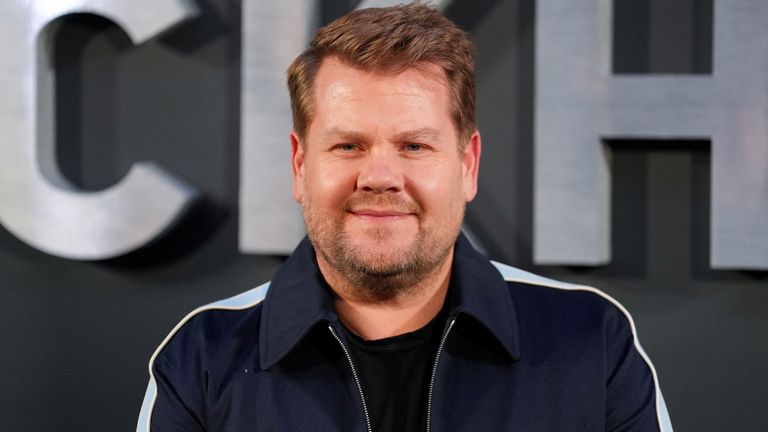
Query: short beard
(374, 281)
(381, 283)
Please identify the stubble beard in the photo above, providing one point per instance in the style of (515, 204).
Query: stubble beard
(380, 276)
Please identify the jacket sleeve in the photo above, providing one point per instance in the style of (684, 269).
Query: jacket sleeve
(633, 399)
(174, 395)
(164, 409)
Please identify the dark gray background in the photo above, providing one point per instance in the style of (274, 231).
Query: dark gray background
(75, 337)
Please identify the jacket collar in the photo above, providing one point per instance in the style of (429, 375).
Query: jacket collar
(299, 299)
(478, 290)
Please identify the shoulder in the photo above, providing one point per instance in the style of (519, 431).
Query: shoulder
(197, 343)
(570, 310)
(208, 329)
(548, 297)
(566, 311)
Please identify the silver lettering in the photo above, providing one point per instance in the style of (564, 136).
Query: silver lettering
(36, 203)
(579, 102)
(273, 34)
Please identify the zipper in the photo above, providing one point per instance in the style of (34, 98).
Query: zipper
(434, 373)
(357, 379)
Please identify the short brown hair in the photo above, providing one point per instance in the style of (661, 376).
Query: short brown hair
(390, 40)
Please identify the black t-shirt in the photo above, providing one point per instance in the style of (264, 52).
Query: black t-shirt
(395, 374)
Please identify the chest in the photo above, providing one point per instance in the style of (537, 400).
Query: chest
(474, 390)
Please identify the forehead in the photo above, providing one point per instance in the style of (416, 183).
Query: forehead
(416, 93)
(333, 68)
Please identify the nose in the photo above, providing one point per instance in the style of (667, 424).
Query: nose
(381, 172)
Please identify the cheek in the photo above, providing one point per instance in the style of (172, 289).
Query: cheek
(436, 188)
(329, 184)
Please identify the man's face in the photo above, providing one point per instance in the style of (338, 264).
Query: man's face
(380, 176)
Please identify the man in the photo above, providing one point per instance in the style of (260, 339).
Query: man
(386, 318)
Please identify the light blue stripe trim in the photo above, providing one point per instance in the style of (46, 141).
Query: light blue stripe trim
(666, 423)
(518, 275)
(512, 274)
(146, 406)
(241, 301)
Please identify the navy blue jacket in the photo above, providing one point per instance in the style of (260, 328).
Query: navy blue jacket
(519, 353)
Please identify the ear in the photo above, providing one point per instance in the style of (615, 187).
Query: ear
(297, 165)
(470, 161)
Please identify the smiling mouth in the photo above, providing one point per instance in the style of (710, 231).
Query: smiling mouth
(373, 214)
(381, 207)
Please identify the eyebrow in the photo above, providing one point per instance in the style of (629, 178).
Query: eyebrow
(421, 134)
(345, 135)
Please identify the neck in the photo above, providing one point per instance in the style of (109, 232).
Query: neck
(376, 319)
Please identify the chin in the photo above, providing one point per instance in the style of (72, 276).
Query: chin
(384, 249)
(383, 257)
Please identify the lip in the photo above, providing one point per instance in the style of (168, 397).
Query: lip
(379, 214)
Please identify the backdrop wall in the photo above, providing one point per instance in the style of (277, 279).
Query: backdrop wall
(75, 337)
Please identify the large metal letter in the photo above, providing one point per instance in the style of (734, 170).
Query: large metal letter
(579, 102)
(36, 203)
(274, 33)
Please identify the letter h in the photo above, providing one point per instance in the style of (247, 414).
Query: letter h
(579, 103)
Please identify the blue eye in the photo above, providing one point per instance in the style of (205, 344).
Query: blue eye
(413, 147)
(347, 147)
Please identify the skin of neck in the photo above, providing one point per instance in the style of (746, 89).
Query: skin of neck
(371, 319)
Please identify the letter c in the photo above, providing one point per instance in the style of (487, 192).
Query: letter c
(37, 204)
